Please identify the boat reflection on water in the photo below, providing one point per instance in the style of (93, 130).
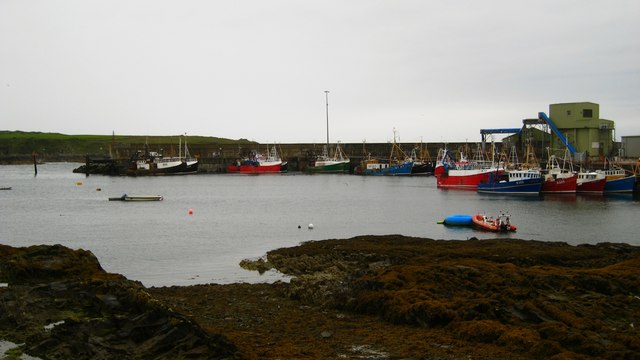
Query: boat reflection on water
(568, 197)
(571, 198)
(622, 196)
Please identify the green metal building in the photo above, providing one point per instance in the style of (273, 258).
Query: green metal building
(581, 124)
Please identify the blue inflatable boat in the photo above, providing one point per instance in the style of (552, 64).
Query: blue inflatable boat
(458, 220)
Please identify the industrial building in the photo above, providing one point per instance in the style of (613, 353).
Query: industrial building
(581, 125)
(631, 147)
(574, 126)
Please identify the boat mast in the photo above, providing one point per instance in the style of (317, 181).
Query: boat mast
(186, 149)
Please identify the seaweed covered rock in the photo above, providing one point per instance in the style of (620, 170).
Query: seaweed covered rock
(537, 298)
(59, 303)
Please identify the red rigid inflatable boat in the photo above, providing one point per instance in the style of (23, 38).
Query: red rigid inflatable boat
(500, 224)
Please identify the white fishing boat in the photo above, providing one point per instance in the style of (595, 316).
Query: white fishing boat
(154, 163)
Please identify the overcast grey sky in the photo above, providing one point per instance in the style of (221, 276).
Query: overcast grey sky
(258, 69)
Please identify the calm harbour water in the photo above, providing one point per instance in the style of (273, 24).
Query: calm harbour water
(238, 216)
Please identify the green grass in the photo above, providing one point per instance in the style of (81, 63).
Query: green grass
(21, 143)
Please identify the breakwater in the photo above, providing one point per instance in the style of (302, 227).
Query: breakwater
(213, 154)
(215, 157)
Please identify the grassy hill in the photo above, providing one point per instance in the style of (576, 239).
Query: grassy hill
(17, 143)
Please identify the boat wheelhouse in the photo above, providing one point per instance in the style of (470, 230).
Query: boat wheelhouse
(464, 174)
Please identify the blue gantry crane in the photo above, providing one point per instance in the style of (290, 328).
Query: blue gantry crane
(554, 128)
(485, 132)
(541, 116)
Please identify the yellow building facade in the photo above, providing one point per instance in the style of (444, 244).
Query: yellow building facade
(581, 124)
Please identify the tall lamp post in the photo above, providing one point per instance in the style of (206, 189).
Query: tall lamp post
(326, 95)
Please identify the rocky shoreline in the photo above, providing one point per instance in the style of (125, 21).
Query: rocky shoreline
(369, 297)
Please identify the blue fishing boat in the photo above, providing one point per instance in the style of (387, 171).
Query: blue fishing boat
(620, 185)
(398, 163)
(617, 180)
(377, 167)
(514, 182)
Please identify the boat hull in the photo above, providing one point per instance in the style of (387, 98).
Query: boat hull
(518, 187)
(335, 168)
(465, 179)
(620, 185)
(137, 198)
(393, 170)
(422, 169)
(481, 222)
(188, 167)
(560, 185)
(254, 169)
(591, 187)
(167, 168)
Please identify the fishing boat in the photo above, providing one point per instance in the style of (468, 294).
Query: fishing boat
(560, 179)
(126, 197)
(257, 163)
(558, 182)
(590, 182)
(325, 164)
(464, 174)
(514, 182)
(338, 163)
(384, 167)
(5, 188)
(518, 179)
(422, 164)
(154, 163)
(397, 164)
(617, 180)
(499, 224)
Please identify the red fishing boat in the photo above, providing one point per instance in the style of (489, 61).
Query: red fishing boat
(464, 174)
(259, 163)
(591, 183)
(559, 179)
(560, 184)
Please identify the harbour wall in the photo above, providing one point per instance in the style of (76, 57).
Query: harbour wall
(214, 157)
